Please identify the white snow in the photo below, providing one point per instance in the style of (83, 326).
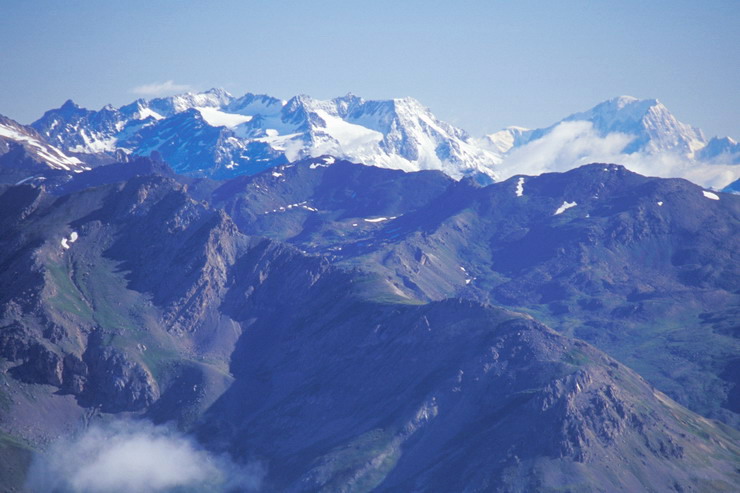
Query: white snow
(566, 205)
(377, 219)
(327, 161)
(660, 203)
(217, 118)
(276, 174)
(145, 113)
(520, 187)
(292, 206)
(24, 180)
(710, 195)
(72, 238)
(55, 158)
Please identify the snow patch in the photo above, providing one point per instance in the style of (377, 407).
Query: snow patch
(24, 180)
(217, 118)
(660, 203)
(276, 174)
(379, 219)
(520, 187)
(293, 206)
(72, 238)
(566, 205)
(145, 113)
(710, 195)
(55, 158)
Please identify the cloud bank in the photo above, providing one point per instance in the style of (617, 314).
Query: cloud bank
(160, 88)
(129, 456)
(575, 143)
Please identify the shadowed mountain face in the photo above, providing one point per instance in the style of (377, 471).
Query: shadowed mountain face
(301, 317)
(449, 396)
(645, 268)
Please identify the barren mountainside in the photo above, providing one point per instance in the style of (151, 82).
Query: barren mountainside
(356, 328)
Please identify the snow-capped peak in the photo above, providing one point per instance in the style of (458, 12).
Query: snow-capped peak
(648, 121)
(648, 124)
(12, 132)
(213, 133)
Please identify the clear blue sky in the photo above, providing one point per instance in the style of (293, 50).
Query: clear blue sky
(481, 65)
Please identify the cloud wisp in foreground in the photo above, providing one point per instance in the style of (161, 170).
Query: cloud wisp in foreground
(127, 456)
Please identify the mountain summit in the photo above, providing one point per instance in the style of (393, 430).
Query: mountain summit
(214, 134)
(648, 123)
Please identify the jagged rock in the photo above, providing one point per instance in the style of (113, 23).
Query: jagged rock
(114, 381)
(41, 365)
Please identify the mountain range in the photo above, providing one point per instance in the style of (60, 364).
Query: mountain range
(357, 328)
(351, 296)
(214, 134)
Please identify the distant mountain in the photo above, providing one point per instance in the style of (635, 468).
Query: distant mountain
(640, 134)
(649, 124)
(214, 134)
(723, 150)
(24, 153)
(733, 187)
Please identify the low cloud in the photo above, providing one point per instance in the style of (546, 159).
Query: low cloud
(572, 144)
(137, 456)
(160, 88)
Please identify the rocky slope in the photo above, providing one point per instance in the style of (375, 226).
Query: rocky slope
(644, 268)
(25, 155)
(130, 291)
(450, 396)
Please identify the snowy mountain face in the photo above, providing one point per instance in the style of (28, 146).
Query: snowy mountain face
(641, 134)
(718, 149)
(648, 123)
(215, 134)
(27, 143)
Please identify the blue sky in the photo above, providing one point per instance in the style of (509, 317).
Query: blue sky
(481, 65)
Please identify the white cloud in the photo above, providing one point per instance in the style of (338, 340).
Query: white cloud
(567, 146)
(136, 456)
(160, 88)
(572, 144)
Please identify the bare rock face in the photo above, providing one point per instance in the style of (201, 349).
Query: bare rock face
(115, 383)
(41, 365)
(337, 376)
(75, 374)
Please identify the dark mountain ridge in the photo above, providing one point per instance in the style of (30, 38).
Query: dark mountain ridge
(645, 268)
(289, 316)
